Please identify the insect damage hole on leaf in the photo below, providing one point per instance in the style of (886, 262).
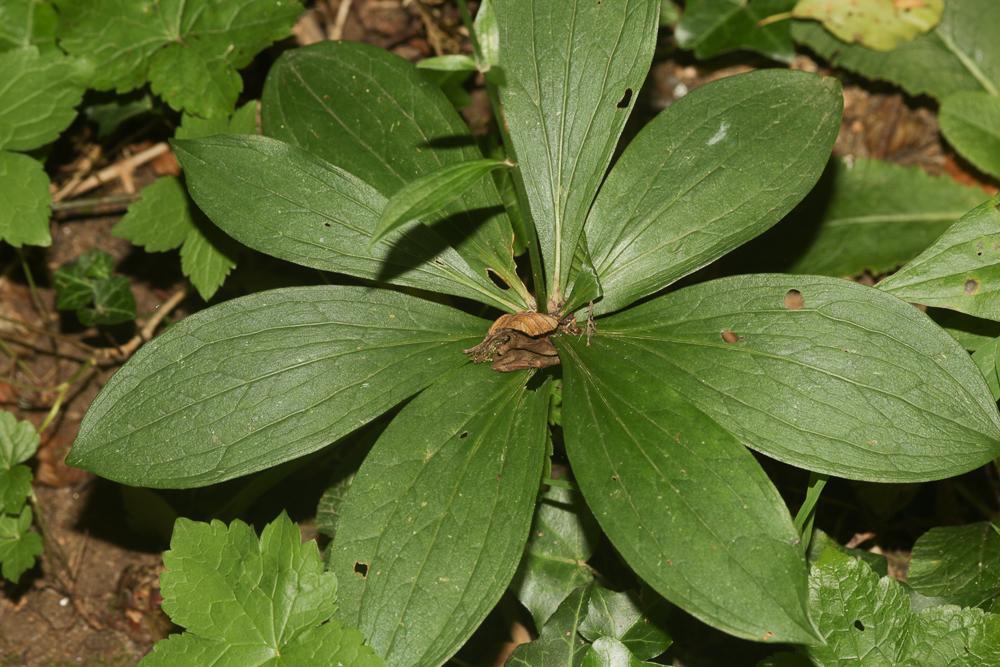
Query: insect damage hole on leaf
(361, 569)
(971, 286)
(625, 100)
(859, 625)
(794, 300)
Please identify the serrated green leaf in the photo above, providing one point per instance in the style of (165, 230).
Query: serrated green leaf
(24, 202)
(958, 564)
(609, 652)
(559, 644)
(376, 117)
(571, 73)
(424, 198)
(15, 487)
(248, 601)
(634, 620)
(87, 286)
(961, 270)
(433, 524)
(563, 536)
(207, 257)
(963, 49)
(354, 353)
(875, 216)
(38, 97)
(987, 358)
(970, 121)
(25, 23)
(714, 27)
(19, 545)
(877, 24)
(18, 440)
(709, 173)
(160, 219)
(242, 121)
(806, 368)
(189, 80)
(635, 444)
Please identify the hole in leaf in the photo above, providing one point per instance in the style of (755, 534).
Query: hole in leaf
(326, 224)
(361, 569)
(497, 280)
(971, 286)
(626, 98)
(859, 625)
(794, 300)
(463, 435)
(730, 336)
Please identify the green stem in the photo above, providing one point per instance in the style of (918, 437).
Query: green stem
(64, 388)
(807, 512)
(36, 300)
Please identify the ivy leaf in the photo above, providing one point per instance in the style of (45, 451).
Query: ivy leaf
(25, 23)
(609, 652)
(87, 286)
(958, 564)
(248, 601)
(709, 173)
(424, 198)
(559, 642)
(634, 443)
(24, 202)
(571, 71)
(875, 215)
(961, 270)
(805, 368)
(320, 99)
(189, 53)
(714, 27)
(433, 524)
(634, 621)
(39, 97)
(970, 121)
(563, 537)
(355, 353)
(19, 545)
(877, 24)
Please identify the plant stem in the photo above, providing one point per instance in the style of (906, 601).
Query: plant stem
(807, 512)
(524, 222)
(63, 389)
(32, 287)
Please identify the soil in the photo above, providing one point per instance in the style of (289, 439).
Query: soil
(94, 597)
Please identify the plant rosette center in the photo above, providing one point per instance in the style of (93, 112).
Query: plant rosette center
(517, 341)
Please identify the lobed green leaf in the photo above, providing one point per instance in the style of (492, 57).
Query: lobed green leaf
(559, 642)
(38, 97)
(24, 202)
(958, 564)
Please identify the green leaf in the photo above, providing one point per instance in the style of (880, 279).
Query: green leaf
(376, 117)
(961, 270)
(313, 213)
(559, 642)
(38, 97)
(449, 63)
(424, 198)
(19, 545)
(207, 257)
(712, 171)
(189, 50)
(633, 620)
(24, 203)
(868, 620)
(18, 440)
(806, 369)
(264, 379)
(881, 25)
(25, 23)
(242, 121)
(684, 503)
(488, 34)
(15, 487)
(987, 358)
(714, 27)
(958, 564)
(875, 216)
(116, 111)
(433, 524)
(87, 286)
(971, 332)
(571, 73)
(248, 601)
(970, 121)
(563, 537)
(963, 49)
(609, 652)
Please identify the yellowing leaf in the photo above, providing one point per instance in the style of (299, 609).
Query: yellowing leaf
(877, 24)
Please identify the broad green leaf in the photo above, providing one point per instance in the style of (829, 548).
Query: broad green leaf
(245, 601)
(488, 34)
(88, 287)
(242, 121)
(713, 27)
(586, 287)
(19, 545)
(821, 373)
(712, 171)
(281, 200)
(559, 643)
(877, 24)
(18, 440)
(683, 502)
(571, 71)
(25, 23)
(961, 270)
(424, 198)
(987, 358)
(437, 516)
(958, 564)
(609, 652)
(963, 49)
(376, 117)
(264, 379)
(875, 216)
(970, 121)
(630, 618)
(38, 97)
(867, 620)
(24, 201)
(971, 332)
(563, 537)
(188, 49)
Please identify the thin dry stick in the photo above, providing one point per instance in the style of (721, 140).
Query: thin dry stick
(343, 9)
(112, 172)
(128, 349)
